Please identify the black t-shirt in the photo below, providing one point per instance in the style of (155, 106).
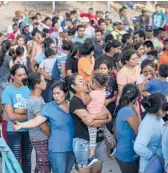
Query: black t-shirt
(104, 57)
(72, 64)
(81, 129)
(110, 89)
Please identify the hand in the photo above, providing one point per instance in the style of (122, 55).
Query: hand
(88, 119)
(166, 123)
(149, 77)
(106, 102)
(16, 125)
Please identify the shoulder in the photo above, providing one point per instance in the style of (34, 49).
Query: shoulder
(126, 113)
(76, 103)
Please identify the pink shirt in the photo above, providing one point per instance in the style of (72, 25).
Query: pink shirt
(97, 102)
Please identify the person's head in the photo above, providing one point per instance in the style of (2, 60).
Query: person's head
(149, 32)
(86, 49)
(20, 41)
(19, 51)
(102, 24)
(15, 28)
(39, 36)
(163, 70)
(139, 36)
(66, 46)
(76, 83)
(138, 47)
(48, 21)
(155, 104)
(148, 46)
(129, 95)
(38, 15)
(90, 11)
(5, 47)
(85, 21)
(18, 74)
(36, 81)
(152, 55)
(109, 37)
(15, 20)
(157, 8)
(49, 52)
(70, 23)
(60, 92)
(57, 13)
(117, 62)
(99, 35)
(74, 51)
(130, 58)
(31, 13)
(123, 10)
(99, 80)
(56, 26)
(104, 67)
(144, 12)
(166, 44)
(24, 26)
(81, 30)
(119, 25)
(46, 32)
(49, 43)
(113, 47)
(127, 39)
(73, 14)
(148, 68)
(161, 33)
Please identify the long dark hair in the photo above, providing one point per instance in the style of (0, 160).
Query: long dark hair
(5, 46)
(129, 94)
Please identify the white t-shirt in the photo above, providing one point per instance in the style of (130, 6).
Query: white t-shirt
(48, 65)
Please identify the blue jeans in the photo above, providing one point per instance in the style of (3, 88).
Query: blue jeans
(61, 162)
(21, 147)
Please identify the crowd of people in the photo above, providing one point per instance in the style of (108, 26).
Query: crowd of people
(82, 87)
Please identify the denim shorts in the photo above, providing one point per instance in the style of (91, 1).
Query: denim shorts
(81, 151)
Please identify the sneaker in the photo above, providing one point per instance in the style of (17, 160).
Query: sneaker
(112, 154)
(92, 161)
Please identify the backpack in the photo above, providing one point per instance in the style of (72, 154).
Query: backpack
(55, 71)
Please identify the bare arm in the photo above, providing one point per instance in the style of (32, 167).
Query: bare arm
(69, 73)
(63, 69)
(143, 89)
(46, 75)
(113, 99)
(134, 123)
(12, 115)
(86, 99)
(29, 124)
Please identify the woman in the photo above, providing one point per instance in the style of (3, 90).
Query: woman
(130, 72)
(5, 65)
(56, 112)
(81, 138)
(139, 49)
(146, 145)
(14, 99)
(72, 61)
(126, 127)
(38, 135)
(148, 70)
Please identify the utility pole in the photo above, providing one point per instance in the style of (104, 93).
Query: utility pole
(53, 6)
(108, 6)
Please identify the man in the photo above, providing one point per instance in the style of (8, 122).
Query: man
(103, 27)
(158, 19)
(98, 44)
(13, 35)
(149, 33)
(25, 31)
(119, 31)
(136, 24)
(161, 35)
(148, 47)
(125, 18)
(90, 14)
(144, 20)
(89, 30)
(15, 20)
(54, 35)
(111, 48)
(81, 37)
(139, 37)
(127, 41)
(163, 59)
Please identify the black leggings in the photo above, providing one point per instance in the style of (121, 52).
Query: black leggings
(129, 167)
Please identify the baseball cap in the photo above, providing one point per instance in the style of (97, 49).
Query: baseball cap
(149, 28)
(23, 25)
(85, 20)
(118, 22)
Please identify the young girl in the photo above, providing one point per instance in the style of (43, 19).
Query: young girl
(38, 135)
(95, 103)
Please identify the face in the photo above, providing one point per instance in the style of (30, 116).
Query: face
(149, 34)
(53, 46)
(120, 27)
(15, 29)
(116, 50)
(162, 34)
(103, 69)
(81, 32)
(26, 29)
(42, 84)
(99, 36)
(19, 76)
(56, 26)
(103, 26)
(39, 38)
(137, 39)
(90, 11)
(21, 41)
(79, 83)
(69, 24)
(157, 9)
(148, 70)
(130, 41)
(133, 60)
(140, 51)
(48, 22)
(59, 95)
(147, 49)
